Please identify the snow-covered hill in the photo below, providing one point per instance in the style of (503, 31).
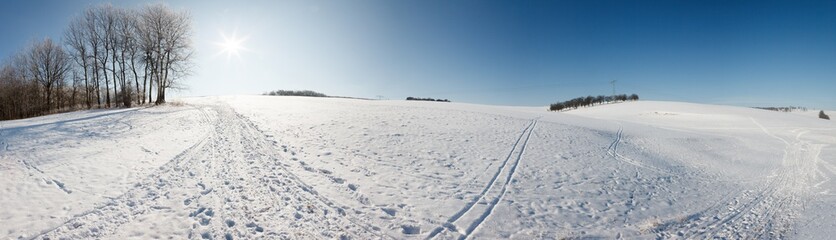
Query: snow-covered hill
(313, 168)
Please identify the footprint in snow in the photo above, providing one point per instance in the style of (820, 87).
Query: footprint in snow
(410, 229)
(391, 211)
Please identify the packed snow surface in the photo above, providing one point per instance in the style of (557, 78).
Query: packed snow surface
(245, 167)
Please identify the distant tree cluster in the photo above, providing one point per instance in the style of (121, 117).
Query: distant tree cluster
(575, 103)
(426, 99)
(823, 116)
(303, 93)
(783, 109)
(108, 57)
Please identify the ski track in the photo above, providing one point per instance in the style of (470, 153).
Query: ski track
(232, 184)
(765, 211)
(470, 209)
(612, 150)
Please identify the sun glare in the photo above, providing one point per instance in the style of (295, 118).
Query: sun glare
(231, 45)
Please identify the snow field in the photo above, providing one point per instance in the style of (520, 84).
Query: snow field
(245, 167)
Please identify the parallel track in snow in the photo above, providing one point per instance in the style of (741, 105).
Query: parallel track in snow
(480, 208)
(612, 150)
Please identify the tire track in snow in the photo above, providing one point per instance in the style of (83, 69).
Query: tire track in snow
(450, 225)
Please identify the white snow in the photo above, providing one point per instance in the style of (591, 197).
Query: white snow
(313, 168)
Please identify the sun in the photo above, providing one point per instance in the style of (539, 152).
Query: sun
(231, 45)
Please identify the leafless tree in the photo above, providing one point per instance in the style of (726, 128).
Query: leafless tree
(91, 27)
(130, 33)
(21, 94)
(76, 84)
(76, 37)
(105, 22)
(15, 90)
(166, 36)
(123, 39)
(103, 43)
(48, 64)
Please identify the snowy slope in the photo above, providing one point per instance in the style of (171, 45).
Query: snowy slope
(64, 165)
(312, 168)
(788, 189)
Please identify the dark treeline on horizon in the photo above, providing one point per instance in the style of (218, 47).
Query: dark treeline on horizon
(302, 93)
(575, 103)
(783, 109)
(426, 99)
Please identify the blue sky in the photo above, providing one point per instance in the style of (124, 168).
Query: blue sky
(747, 53)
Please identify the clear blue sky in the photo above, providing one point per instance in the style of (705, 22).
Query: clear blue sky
(748, 53)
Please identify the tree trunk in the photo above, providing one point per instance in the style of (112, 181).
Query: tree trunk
(136, 80)
(107, 86)
(73, 95)
(163, 81)
(96, 79)
(113, 73)
(150, 86)
(86, 86)
(126, 98)
(48, 96)
(98, 86)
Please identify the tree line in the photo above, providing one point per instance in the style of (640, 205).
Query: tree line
(426, 99)
(783, 109)
(575, 103)
(107, 57)
(303, 93)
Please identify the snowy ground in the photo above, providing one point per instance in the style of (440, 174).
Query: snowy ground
(313, 168)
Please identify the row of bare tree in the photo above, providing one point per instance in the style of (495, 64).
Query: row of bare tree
(110, 57)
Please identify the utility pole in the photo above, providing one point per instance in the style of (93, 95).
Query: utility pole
(613, 87)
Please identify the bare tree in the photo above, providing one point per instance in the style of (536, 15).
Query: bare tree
(76, 83)
(76, 37)
(166, 36)
(103, 32)
(103, 42)
(123, 39)
(21, 95)
(91, 27)
(48, 64)
(15, 90)
(130, 32)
